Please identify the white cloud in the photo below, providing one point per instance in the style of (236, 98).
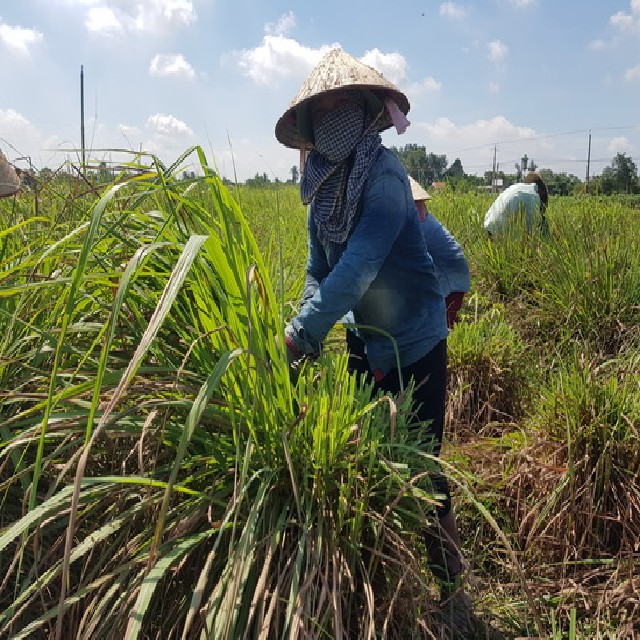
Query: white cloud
(522, 3)
(152, 16)
(478, 132)
(20, 134)
(103, 20)
(284, 26)
(597, 45)
(428, 85)
(474, 143)
(168, 125)
(619, 145)
(19, 39)
(173, 10)
(278, 57)
(452, 10)
(12, 122)
(497, 51)
(632, 74)
(171, 64)
(621, 20)
(392, 66)
(431, 84)
(494, 87)
(627, 21)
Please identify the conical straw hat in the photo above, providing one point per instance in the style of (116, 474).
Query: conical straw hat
(9, 181)
(417, 191)
(337, 70)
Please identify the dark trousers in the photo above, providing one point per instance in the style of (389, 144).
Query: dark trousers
(430, 375)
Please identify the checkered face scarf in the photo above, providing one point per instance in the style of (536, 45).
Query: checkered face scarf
(338, 166)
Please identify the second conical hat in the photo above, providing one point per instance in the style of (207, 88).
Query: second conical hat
(9, 181)
(337, 70)
(417, 191)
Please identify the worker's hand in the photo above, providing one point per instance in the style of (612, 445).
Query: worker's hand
(298, 350)
(294, 354)
(453, 302)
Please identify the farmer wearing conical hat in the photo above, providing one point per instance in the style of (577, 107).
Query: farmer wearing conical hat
(528, 199)
(452, 268)
(367, 255)
(9, 181)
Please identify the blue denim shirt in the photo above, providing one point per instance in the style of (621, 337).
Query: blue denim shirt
(452, 268)
(383, 272)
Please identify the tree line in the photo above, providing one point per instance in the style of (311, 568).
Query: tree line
(621, 176)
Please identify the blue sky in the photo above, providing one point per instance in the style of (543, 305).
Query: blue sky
(518, 76)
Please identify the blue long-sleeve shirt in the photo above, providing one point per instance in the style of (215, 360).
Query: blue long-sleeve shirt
(452, 268)
(383, 272)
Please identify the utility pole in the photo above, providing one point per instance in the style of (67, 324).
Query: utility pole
(84, 166)
(588, 163)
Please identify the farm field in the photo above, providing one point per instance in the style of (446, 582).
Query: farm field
(161, 476)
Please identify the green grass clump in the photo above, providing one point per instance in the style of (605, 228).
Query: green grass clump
(487, 374)
(162, 476)
(583, 500)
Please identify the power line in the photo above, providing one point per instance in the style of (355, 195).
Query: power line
(524, 140)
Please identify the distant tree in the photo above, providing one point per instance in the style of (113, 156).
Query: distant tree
(420, 165)
(499, 175)
(465, 183)
(295, 174)
(621, 176)
(455, 170)
(595, 186)
(258, 180)
(436, 165)
(560, 184)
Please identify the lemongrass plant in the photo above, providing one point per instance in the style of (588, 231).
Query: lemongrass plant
(489, 379)
(162, 476)
(585, 502)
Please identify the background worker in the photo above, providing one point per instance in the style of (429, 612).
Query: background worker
(528, 199)
(452, 268)
(366, 254)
